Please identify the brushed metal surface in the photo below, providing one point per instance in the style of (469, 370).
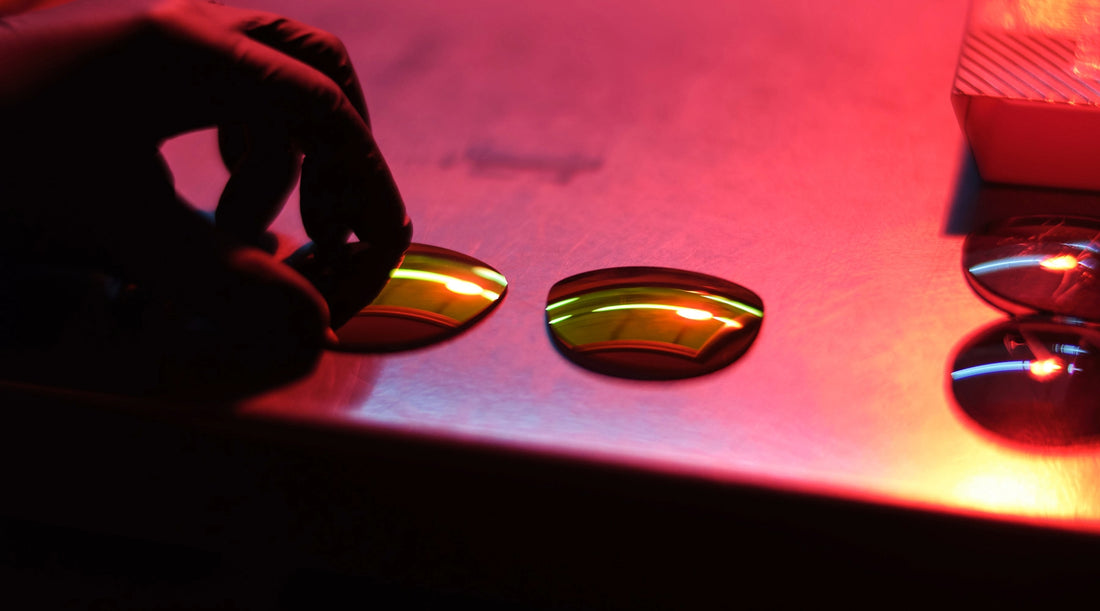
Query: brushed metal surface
(807, 151)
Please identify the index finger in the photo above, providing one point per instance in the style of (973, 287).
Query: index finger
(346, 183)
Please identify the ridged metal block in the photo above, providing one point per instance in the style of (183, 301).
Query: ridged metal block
(1030, 114)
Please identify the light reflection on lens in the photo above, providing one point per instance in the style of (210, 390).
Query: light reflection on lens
(1059, 263)
(693, 314)
(433, 295)
(652, 323)
(1045, 368)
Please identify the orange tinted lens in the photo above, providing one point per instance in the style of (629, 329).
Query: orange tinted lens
(433, 295)
(652, 323)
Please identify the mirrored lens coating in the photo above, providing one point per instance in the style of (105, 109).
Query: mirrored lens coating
(432, 295)
(652, 323)
(1037, 265)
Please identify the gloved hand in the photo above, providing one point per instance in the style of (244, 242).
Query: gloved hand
(90, 89)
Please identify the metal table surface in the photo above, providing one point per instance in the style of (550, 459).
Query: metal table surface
(805, 150)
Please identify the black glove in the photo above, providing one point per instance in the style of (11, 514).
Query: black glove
(89, 90)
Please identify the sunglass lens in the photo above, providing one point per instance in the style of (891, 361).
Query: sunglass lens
(1040, 264)
(433, 295)
(1032, 380)
(652, 323)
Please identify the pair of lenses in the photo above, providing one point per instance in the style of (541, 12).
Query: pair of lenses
(1035, 378)
(634, 322)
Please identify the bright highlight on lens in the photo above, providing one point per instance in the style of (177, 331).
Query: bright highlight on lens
(1069, 349)
(1039, 369)
(991, 368)
(1060, 263)
(462, 287)
(455, 285)
(433, 295)
(1006, 264)
(736, 304)
(563, 302)
(652, 323)
(1044, 368)
(490, 275)
(693, 314)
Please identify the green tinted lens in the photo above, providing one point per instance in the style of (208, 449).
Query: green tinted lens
(433, 295)
(652, 323)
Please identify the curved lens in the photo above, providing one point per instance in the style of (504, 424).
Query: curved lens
(652, 323)
(433, 295)
(1032, 380)
(1037, 264)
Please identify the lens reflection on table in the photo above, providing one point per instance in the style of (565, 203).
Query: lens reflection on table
(652, 323)
(433, 295)
(1032, 380)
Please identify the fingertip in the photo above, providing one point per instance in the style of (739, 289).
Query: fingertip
(232, 144)
(264, 168)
